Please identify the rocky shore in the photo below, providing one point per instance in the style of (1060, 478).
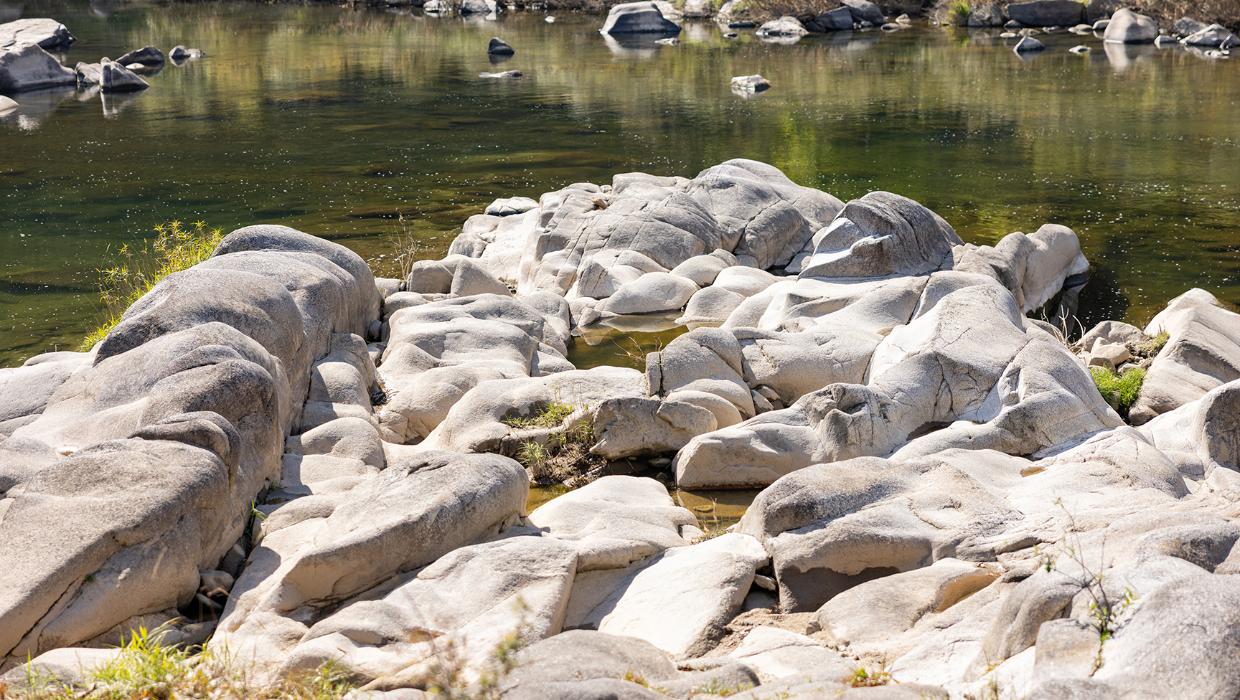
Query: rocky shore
(284, 460)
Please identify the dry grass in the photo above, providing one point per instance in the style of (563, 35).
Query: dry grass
(176, 247)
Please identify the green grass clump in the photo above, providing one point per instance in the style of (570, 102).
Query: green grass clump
(959, 11)
(1119, 390)
(147, 668)
(1152, 346)
(862, 678)
(176, 247)
(549, 416)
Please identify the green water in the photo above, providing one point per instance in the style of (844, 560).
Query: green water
(338, 121)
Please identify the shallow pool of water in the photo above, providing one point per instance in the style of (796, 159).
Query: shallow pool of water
(341, 122)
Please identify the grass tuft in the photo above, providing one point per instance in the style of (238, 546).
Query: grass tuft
(176, 247)
(564, 457)
(549, 416)
(862, 678)
(1119, 390)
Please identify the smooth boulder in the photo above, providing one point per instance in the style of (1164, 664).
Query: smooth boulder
(1128, 27)
(29, 67)
(638, 18)
(45, 33)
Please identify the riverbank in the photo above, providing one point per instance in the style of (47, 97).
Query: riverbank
(1166, 12)
(301, 474)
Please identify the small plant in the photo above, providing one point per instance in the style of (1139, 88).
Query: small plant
(448, 677)
(717, 688)
(406, 246)
(1105, 612)
(564, 457)
(176, 247)
(959, 11)
(1151, 347)
(549, 416)
(1119, 390)
(532, 454)
(862, 678)
(632, 677)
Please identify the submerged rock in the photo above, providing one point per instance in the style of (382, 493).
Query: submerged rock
(750, 83)
(181, 53)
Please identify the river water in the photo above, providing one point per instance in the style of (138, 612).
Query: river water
(355, 124)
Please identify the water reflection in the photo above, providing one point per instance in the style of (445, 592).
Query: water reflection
(1123, 57)
(36, 107)
(341, 121)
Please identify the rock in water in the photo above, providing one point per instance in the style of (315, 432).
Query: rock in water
(478, 7)
(1047, 13)
(147, 56)
(750, 83)
(110, 76)
(638, 18)
(1079, 49)
(1214, 35)
(46, 33)
(866, 12)
(839, 19)
(1128, 27)
(784, 27)
(1187, 26)
(181, 53)
(29, 67)
(1028, 44)
(510, 206)
(499, 47)
(7, 105)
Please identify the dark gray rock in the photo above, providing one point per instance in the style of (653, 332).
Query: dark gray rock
(181, 53)
(638, 18)
(1028, 45)
(499, 47)
(479, 7)
(148, 56)
(1047, 13)
(865, 11)
(839, 19)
